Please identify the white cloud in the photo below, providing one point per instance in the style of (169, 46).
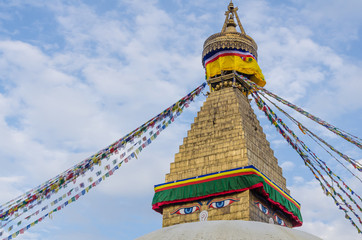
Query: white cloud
(298, 179)
(111, 71)
(337, 21)
(321, 217)
(8, 186)
(287, 166)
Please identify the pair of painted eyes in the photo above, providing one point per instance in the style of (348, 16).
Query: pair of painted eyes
(218, 204)
(266, 211)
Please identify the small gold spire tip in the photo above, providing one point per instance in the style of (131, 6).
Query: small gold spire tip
(229, 16)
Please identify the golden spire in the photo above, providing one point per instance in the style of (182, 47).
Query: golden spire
(229, 37)
(226, 45)
(230, 13)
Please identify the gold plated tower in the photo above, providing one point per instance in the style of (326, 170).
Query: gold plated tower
(226, 139)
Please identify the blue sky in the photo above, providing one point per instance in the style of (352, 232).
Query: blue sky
(77, 75)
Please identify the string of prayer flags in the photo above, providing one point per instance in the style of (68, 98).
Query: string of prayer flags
(73, 198)
(55, 194)
(320, 163)
(299, 145)
(345, 135)
(305, 130)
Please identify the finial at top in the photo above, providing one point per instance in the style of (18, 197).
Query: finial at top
(229, 37)
(229, 19)
(231, 5)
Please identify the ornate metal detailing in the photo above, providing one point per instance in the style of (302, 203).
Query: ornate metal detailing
(229, 37)
(230, 14)
(226, 80)
(230, 40)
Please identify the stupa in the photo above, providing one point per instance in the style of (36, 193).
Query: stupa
(225, 173)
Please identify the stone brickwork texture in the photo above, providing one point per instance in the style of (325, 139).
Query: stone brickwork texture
(225, 134)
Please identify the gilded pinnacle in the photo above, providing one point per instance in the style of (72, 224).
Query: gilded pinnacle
(231, 6)
(229, 37)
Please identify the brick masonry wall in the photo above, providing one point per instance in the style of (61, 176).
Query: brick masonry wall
(225, 134)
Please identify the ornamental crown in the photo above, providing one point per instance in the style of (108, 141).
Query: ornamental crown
(229, 37)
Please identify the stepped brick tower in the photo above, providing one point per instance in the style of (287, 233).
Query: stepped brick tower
(225, 168)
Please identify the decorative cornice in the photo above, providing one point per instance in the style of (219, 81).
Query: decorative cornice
(230, 40)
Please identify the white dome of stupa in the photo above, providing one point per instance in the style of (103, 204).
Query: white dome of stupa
(230, 229)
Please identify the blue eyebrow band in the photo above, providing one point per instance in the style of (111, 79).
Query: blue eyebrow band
(209, 201)
(199, 202)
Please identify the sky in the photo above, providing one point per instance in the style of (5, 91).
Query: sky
(75, 76)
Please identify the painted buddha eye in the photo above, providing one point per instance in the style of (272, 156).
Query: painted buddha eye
(186, 210)
(222, 203)
(279, 220)
(262, 208)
